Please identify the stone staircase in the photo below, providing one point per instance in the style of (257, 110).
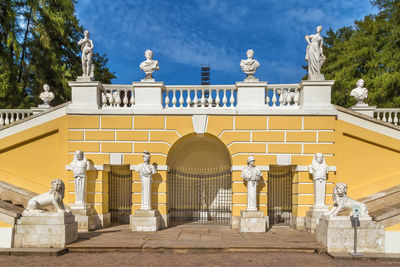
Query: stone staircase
(384, 206)
(13, 201)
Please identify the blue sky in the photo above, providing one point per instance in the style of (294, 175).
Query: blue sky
(185, 34)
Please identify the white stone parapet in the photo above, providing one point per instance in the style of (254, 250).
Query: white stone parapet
(390, 115)
(8, 116)
(316, 94)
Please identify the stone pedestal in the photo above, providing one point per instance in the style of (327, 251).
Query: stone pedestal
(312, 218)
(148, 95)
(145, 221)
(87, 218)
(364, 109)
(252, 222)
(337, 235)
(251, 95)
(85, 94)
(45, 230)
(316, 94)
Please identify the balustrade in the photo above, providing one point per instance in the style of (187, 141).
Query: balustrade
(8, 116)
(206, 96)
(117, 96)
(390, 115)
(282, 96)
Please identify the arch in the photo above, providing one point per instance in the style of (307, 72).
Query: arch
(199, 180)
(199, 151)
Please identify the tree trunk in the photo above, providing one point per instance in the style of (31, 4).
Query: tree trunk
(24, 45)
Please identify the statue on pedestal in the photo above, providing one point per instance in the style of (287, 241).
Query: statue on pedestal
(87, 55)
(319, 169)
(46, 96)
(360, 93)
(146, 171)
(54, 198)
(250, 66)
(315, 56)
(149, 66)
(251, 174)
(79, 166)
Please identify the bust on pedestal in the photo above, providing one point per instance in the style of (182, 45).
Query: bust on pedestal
(252, 220)
(145, 219)
(360, 93)
(84, 213)
(336, 232)
(319, 170)
(55, 227)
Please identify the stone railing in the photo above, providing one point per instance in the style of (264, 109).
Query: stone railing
(390, 115)
(201, 96)
(8, 116)
(283, 96)
(117, 96)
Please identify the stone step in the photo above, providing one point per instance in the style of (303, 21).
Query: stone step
(33, 251)
(15, 194)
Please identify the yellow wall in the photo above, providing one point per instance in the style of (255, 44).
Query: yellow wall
(367, 161)
(33, 158)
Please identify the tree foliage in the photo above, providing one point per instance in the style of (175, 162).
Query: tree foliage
(39, 45)
(368, 50)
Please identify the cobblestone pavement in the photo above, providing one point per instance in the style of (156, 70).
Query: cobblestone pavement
(190, 259)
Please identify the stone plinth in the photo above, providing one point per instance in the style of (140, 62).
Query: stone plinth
(148, 95)
(313, 216)
(145, 221)
(316, 94)
(251, 95)
(252, 222)
(364, 109)
(45, 230)
(337, 234)
(87, 219)
(85, 94)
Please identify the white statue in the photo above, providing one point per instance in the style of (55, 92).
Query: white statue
(79, 166)
(87, 55)
(342, 202)
(251, 174)
(360, 93)
(149, 65)
(319, 169)
(54, 197)
(46, 96)
(146, 171)
(315, 56)
(250, 66)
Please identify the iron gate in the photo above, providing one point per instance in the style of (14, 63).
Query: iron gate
(199, 195)
(120, 195)
(280, 182)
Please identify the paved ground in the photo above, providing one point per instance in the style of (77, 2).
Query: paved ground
(195, 238)
(191, 259)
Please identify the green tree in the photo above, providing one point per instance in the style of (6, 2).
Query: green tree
(369, 50)
(39, 45)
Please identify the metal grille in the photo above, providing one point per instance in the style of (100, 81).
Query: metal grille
(199, 195)
(120, 195)
(280, 180)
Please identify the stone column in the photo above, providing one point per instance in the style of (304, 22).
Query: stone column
(85, 94)
(251, 95)
(148, 95)
(364, 109)
(316, 94)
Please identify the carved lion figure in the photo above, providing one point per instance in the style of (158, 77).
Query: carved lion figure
(54, 197)
(342, 202)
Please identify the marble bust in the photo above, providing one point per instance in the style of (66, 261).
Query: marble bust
(319, 170)
(149, 66)
(250, 66)
(79, 166)
(251, 174)
(146, 171)
(314, 55)
(87, 55)
(46, 96)
(360, 93)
